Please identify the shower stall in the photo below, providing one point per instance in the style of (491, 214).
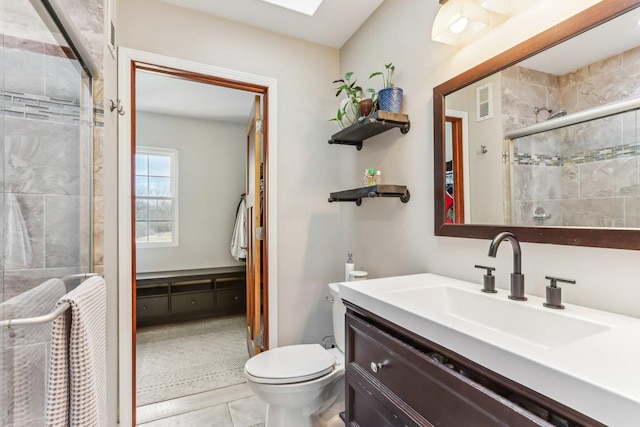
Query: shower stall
(46, 205)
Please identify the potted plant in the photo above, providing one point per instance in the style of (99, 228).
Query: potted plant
(390, 96)
(369, 105)
(349, 110)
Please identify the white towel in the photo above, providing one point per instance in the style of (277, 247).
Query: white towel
(239, 238)
(76, 390)
(25, 353)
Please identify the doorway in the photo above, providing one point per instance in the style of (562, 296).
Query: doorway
(219, 291)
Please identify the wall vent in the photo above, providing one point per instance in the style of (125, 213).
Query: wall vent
(484, 105)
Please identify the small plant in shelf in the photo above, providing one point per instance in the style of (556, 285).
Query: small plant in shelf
(390, 96)
(349, 110)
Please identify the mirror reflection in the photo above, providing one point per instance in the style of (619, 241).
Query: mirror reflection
(551, 140)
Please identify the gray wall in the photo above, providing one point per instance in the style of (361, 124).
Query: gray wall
(309, 256)
(211, 178)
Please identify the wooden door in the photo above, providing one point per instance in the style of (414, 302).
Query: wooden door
(255, 233)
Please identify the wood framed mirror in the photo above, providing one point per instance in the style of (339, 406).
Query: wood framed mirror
(612, 233)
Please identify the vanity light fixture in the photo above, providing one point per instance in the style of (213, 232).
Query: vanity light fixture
(458, 21)
(497, 6)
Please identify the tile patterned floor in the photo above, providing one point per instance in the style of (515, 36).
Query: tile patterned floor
(233, 406)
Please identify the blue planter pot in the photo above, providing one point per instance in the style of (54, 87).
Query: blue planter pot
(390, 99)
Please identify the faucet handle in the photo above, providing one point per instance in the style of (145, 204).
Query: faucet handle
(488, 280)
(554, 293)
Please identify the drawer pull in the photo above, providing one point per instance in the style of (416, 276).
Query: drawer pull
(376, 366)
(193, 301)
(144, 307)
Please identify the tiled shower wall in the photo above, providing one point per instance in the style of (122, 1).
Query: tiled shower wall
(40, 146)
(586, 174)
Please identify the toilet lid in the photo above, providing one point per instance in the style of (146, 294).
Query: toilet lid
(290, 364)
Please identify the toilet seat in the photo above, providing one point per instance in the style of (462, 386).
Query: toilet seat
(290, 364)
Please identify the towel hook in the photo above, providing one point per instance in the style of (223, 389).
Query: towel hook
(116, 106)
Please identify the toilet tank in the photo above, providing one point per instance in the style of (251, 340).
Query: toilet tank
(339, 310)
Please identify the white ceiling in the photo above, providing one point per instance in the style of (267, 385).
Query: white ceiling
(332, 25)
(164, 94)
(604, 41)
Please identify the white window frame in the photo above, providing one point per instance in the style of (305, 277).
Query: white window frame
(173, 155)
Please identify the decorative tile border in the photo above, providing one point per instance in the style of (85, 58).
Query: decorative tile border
(39, 107)
(598, 155)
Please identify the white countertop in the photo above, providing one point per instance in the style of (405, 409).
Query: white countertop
(598, 375)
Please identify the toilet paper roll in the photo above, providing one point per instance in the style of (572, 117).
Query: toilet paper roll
(357, 275)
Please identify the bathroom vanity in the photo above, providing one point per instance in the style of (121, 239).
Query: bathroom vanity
(427, 350)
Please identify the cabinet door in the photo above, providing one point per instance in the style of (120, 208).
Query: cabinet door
(365, 411)
(230, 300)
(149, 309)
(189, 303)
(424, 391)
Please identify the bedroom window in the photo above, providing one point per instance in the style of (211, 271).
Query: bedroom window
(156, 189)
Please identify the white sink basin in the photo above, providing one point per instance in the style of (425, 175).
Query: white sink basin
(583, 358)
(541, 326)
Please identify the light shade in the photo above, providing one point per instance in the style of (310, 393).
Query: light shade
(497, 6)
(458, 21)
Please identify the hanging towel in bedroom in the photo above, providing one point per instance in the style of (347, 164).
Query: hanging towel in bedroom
(76, 390)
(239, 238)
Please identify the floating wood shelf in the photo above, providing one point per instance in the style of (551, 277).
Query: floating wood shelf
(372, 125)
(357, 194)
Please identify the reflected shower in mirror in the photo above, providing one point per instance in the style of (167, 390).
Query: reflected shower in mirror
(547, 144)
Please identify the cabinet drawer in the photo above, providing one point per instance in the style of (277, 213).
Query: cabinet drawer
(152, 307)
(191, 302)
(438, 394)
(364, 409)
(230, 300)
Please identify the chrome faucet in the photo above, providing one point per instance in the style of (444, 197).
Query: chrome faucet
(517, 278)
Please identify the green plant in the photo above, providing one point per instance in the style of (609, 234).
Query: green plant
(387, 80)
(348, 110)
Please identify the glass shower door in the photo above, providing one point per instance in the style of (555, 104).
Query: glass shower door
(46, 169)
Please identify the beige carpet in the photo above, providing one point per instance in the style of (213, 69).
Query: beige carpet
(180, 359)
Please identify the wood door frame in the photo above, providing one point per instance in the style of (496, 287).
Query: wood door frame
(461, 196)
(129, 61)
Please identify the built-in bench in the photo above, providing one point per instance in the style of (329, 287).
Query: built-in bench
(170, 296)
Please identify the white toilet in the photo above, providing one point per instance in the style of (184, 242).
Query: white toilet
(303, 385)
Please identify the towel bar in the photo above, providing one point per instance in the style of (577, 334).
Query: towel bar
(49, 316)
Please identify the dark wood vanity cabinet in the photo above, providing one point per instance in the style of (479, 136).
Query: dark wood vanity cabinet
(396, 378)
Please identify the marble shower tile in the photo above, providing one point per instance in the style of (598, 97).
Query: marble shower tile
(631, 57)
(632, 212)
(18, 281)
(626, 176)
(62, 77)
(62, 241)
(531, 183)
(24, 71)
(570, 182)
(41, 157)
(597, 179)
(31, 208)
(593, 135)
(598, 212)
